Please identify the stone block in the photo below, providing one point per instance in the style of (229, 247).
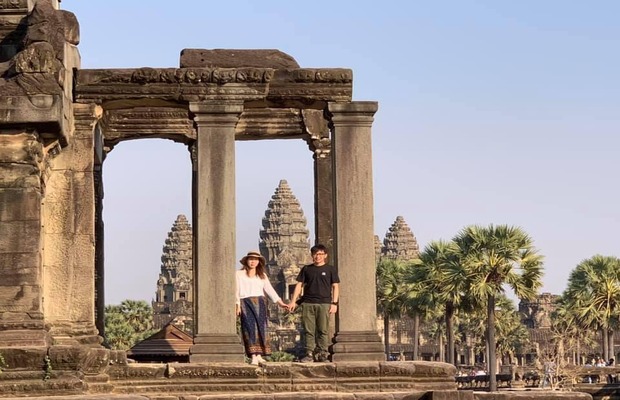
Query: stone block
(69, 282)
(277, 377)
(236, 58)
(58, 218)
(20, 176)
(20, 204)
(313, 377)
(67, 357)
(32, 358)
(532, 395)
(84, 203)
(137, 371)
(358, 376)
(77, 156)
(20, 236)
(19, 269)
(25, 298)
(21, 148)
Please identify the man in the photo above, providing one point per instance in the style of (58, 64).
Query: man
(319, 282)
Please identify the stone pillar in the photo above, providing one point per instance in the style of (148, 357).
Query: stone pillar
(356, 332)
(320, 144)
(215, 335)
(70, 234)
(21, 289)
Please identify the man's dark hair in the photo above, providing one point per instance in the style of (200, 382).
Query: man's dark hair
(318, 247)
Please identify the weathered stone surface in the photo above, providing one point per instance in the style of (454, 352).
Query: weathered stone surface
(24, 358)
(355, 376)
(19, 269)
(20, 204)
(21, 148)
(303, 88)
(140, 122)
(19, 176)
(137, 371)
(537, 395)
(19, 236)
(236, 58)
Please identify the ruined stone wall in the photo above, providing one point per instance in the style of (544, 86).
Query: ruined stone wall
(21, 157)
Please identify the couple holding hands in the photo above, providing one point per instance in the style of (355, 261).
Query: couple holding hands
(319, 282)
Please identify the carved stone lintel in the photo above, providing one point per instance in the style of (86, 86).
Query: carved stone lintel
(163, 122)
(303, 86)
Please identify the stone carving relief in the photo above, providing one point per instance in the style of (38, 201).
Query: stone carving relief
(13, 4)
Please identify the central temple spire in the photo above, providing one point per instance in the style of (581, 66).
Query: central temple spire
(284, 238)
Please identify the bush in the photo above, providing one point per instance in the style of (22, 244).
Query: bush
(281, 356)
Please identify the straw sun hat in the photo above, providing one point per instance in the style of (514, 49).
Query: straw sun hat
(255, 254)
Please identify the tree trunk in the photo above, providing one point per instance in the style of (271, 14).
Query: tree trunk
(492, 363)
(450, 333)
(578, 352)
(416, 336)
(386, 335)
(610, 346)
(442, 357)
(605, 340)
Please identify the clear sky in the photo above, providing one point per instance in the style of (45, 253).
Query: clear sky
(504, 112)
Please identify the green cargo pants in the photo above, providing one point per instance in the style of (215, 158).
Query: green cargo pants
(315, 321)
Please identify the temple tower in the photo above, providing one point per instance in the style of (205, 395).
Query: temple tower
(174, 296)
(399, 242)
(284, 239)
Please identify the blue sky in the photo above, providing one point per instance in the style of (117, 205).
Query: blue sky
(489, 112)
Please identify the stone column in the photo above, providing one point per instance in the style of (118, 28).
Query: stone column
(320, 144)
(70, 234)
(21, 289)
(215, 334)
(356, 332)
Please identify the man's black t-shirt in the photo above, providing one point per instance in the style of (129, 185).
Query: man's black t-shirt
(317, 283)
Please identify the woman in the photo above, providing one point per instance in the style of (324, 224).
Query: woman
(251, 306)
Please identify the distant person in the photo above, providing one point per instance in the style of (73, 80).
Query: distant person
(320, 284)
(251, 305)
(611, 378)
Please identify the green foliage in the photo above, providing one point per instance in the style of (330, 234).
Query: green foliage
(47, 368)
(281, 356)
(127, 324)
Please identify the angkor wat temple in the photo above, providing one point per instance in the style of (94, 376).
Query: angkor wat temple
(285, 244)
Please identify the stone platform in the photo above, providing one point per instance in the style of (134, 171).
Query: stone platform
(410, 380)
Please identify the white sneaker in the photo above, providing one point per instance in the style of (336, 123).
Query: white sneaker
(255, 359)
(260, 359)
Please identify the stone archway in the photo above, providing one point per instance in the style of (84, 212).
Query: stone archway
(59, 118)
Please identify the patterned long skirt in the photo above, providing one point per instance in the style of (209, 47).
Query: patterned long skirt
(254, 326)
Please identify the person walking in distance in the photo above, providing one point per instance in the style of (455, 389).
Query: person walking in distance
(320, 284)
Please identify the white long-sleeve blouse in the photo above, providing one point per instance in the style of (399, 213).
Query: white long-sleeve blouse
(254, 286)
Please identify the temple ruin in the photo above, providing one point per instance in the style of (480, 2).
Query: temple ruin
(57, 124)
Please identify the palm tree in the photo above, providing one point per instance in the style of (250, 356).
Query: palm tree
(593, 293)
(446, 281)
(418, 299)
(390, 291)
(496, 257)
(128, 323)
